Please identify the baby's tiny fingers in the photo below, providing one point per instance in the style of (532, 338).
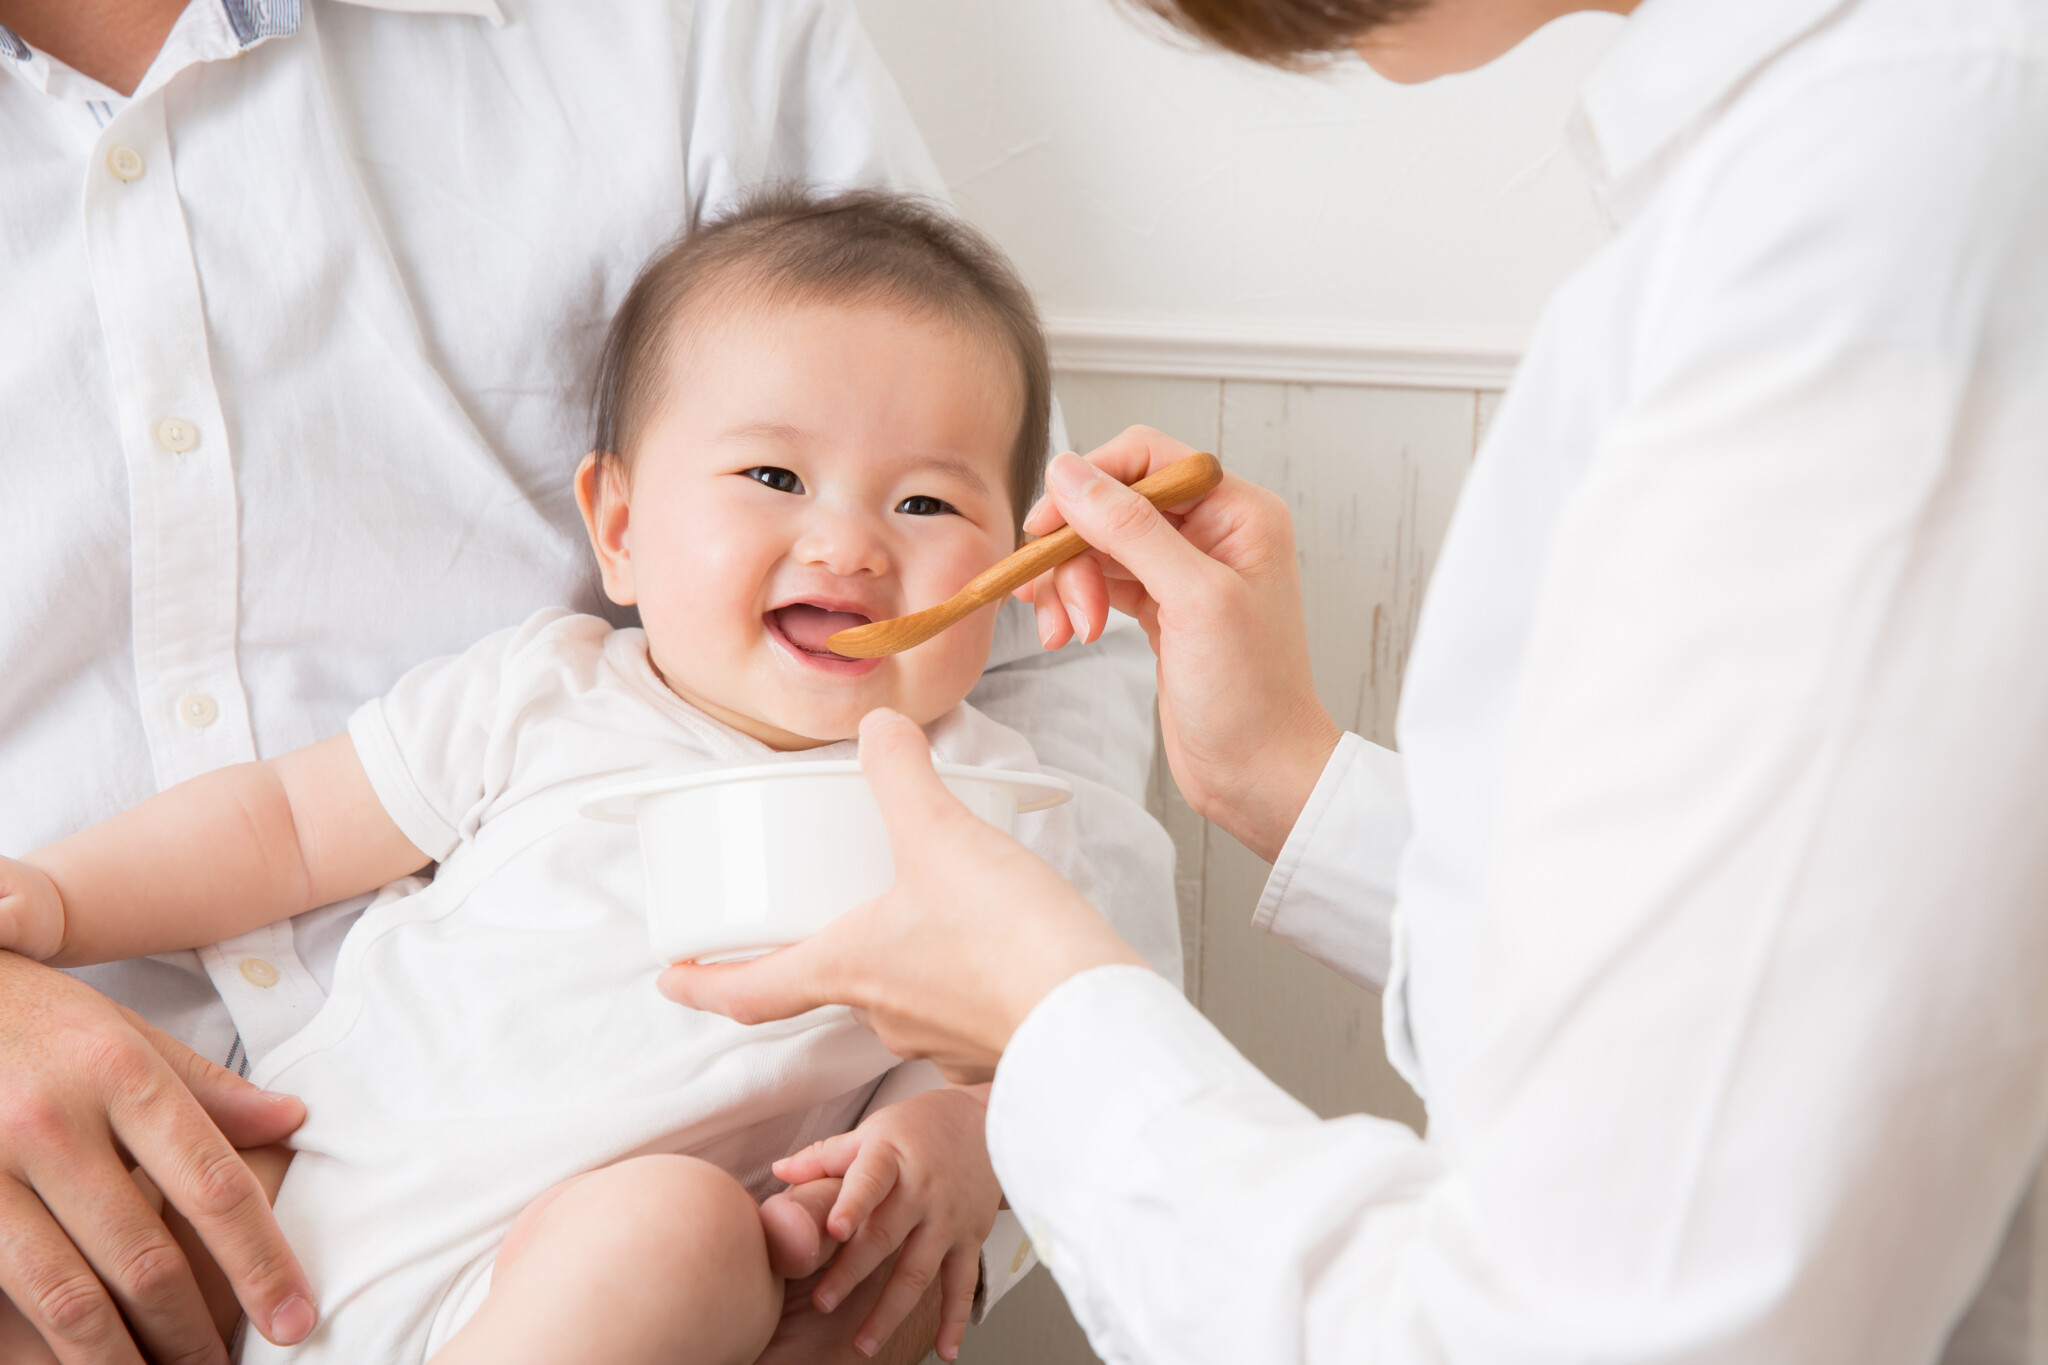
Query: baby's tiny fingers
(888, 1228)
(959, 1276)
(825, 1159)
(917, 1265)
(867, 1182)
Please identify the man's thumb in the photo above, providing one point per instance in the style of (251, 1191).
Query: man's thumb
(898, 763)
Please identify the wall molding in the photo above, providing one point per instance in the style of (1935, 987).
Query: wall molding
(1288, 352)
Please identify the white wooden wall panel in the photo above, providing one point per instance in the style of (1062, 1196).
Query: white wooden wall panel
(1371, 475)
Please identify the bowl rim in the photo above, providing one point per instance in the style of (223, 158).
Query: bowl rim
(620, 804)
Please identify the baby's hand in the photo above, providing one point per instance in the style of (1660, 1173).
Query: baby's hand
(915, 1175)
(31, 911)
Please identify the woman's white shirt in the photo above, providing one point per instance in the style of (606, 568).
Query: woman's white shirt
(1723, 921)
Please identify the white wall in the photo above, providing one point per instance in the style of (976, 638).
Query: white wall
(1135, 181)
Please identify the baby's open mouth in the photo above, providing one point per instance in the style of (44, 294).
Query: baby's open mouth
(808, 626)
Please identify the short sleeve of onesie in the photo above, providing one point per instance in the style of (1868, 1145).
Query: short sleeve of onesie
(434, 745)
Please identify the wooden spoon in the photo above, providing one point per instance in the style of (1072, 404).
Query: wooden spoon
(1182, 481)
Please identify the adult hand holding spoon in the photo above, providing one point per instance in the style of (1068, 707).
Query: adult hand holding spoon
(1217, 590)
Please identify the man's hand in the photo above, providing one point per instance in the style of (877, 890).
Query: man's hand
(87, 1089)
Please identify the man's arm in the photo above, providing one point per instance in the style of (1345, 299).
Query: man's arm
(227, 852)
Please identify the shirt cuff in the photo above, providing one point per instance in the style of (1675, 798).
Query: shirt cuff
(1331, 892)
(1086, 1077)
(377, 749)
(1006, 1258)
(1190, 1208)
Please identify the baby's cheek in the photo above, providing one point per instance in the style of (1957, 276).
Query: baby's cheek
(941, 680)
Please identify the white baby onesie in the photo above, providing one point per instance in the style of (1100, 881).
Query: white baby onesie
(497, 1030)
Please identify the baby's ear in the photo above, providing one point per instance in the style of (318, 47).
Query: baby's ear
(602, 497)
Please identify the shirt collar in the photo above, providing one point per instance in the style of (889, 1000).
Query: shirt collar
(255, 20)
(476, 9)
(1674, 63)
(252, 21)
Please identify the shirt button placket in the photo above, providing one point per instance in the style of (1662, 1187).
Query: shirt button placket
(183, 506)
(181, 478)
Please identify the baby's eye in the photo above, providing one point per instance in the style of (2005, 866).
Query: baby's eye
(918, 505)
(781, 480)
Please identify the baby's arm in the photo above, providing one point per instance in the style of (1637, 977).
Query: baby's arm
(208, 859)
(916, 1175)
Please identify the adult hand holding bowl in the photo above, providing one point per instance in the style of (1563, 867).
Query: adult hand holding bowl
(950, 958)
(745, 858)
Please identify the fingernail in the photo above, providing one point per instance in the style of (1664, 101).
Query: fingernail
(826, 1302)
(1045, 631)
(293, 1321)
(1070, 474)
(867, 1346)
(1080, 620)
(272, 1097)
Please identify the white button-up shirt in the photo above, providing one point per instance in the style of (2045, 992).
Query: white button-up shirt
(1719, 835)
(295, 352)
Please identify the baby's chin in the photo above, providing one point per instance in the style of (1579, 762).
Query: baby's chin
(791, 724)
(791, 714)
(815, 727)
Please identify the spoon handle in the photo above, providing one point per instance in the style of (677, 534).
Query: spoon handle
(1183, 480)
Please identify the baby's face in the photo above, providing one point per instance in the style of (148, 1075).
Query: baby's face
(813, 467)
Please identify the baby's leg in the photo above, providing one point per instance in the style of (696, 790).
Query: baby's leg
(658, 1260)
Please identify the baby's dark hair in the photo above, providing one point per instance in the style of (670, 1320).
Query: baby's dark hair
(790, 245)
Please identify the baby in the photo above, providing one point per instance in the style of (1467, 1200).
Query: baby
(816, 413)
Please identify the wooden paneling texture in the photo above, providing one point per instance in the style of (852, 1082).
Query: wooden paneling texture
(1371, 475)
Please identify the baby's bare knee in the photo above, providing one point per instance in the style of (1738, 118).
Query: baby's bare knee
(685, 1221)
(670, 1190)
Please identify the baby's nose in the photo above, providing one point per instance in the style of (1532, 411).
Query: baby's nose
(849, 544)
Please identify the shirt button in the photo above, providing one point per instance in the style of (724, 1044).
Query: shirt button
(125, 163)
(176, 435)
(258, 972)
(198, 710)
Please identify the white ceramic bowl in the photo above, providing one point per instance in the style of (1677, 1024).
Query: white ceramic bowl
(741, 860)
